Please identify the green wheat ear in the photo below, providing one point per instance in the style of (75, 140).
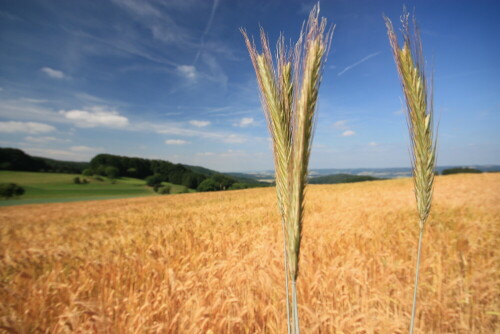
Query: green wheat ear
(289, 95)
(419, 106)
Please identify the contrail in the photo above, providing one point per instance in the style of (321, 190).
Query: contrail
(207, 30)
(359, 62)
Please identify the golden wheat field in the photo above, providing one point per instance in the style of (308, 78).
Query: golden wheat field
(213, 262)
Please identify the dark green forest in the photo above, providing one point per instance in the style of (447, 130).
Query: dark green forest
(16, 160)
(114, 166)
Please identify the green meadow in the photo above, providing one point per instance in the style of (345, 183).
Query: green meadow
(53, 187)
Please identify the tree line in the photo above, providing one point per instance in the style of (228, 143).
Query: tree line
(154, 172)
(115, 166)
(157, 171)
(17, 160)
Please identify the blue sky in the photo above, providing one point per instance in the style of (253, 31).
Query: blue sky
(172, 80)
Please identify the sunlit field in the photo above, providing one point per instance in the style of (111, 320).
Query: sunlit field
(213, 262)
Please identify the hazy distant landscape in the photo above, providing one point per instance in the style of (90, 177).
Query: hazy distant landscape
(47, 180)
(389, 173)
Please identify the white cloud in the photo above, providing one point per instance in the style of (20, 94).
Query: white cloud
(96, 116)
(199, 124)
(348, 133)
(54, 74)
(187, 71)
(176, 130)
(341, 125)
(25, 127)
(399, 112)
(28, 110)
(234, 139)
(83, 148)
(176, 142)
(245, 121)
(373, 144)
(57, 154)
(228, 153)
(44, 139)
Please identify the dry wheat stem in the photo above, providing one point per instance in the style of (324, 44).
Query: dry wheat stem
(410, 64)
(289, 96)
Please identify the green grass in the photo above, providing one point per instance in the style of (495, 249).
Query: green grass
(52, 187)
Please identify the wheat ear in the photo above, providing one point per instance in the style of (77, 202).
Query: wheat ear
(289, 96)
(410, 64)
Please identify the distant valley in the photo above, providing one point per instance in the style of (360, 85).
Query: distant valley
(381, 173)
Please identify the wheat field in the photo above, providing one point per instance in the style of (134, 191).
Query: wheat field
(213, 262)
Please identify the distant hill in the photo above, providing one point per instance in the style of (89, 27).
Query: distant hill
(239, 177)
(200, 170)
(115, 166)
(385, 173)
(17, 160)
(341, 178)
(64, 166)
(461, 170)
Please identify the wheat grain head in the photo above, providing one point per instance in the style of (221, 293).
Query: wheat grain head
(289, 96)
(410, 64)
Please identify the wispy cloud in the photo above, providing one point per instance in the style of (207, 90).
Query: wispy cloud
(340, 125)
(305, 7)
(216, 74)
(234, 139)
(187, 71)
(176, 142)
(244, 122)
(350, 67)
(58, 154)
(161, 25)
(45, 139)
(207, 30)
(178, 130)
(199, 124)
(225, 154)
(54, 74)
(348, 133)
(25, 127)
(83, 148)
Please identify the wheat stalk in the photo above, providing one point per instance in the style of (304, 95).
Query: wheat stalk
(410, 64)
(289, 96)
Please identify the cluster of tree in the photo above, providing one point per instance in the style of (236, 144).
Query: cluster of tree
(77, 180)
(156, 171)
(114, 166)
(60, 166)
(459, 170)
(216, 182)
(17, 160)
(8, 190)
(341, 178)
